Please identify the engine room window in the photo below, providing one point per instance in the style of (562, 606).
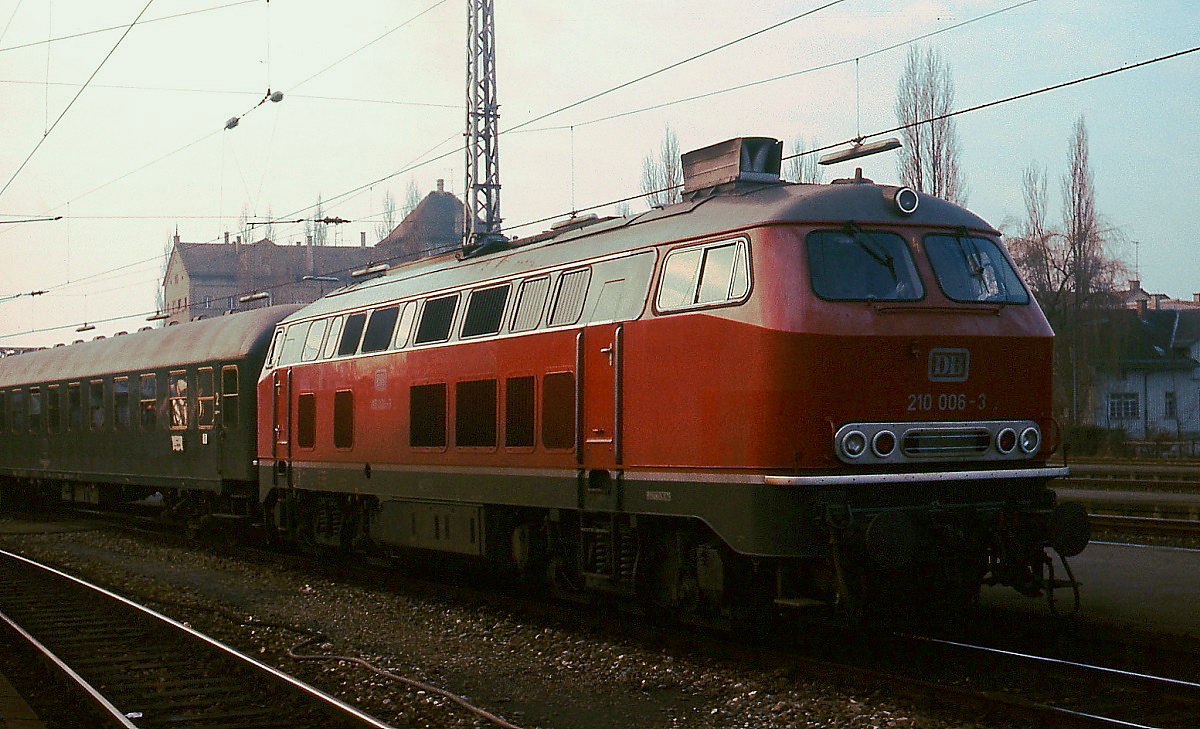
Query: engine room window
(518, 412)
(973, 269)
(712, 274)
(177, 400)
(121, 402)
(568, 302)
(475, 414)
(404, 328)
(306, 420)
(858, 265)
(531, 299)
(427, 416)
(352, 334)
(380, 329)
(229, 396)
(436, 319)
(206, 399)
(343, 419)
(148, 399)
(293, 343)
(558, 410)
(332, 339)
(96, 409)
(485, 310)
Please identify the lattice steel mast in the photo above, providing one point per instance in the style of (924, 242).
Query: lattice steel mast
(481, 213)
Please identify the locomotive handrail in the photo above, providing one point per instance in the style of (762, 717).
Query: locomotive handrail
(884, 478)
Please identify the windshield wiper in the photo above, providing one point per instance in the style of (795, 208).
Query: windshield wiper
(872, 247)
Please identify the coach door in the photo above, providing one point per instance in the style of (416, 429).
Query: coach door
(281, 426)
(599, 367)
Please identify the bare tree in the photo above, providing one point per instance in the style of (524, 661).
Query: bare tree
(388, 223)
(316, 229)
(412, 198)
(662, 176)
(803, 167)
(929, 161)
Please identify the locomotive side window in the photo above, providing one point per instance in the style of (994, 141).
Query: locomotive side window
(229, 396)
(485, 310)
(177, 399)
(973, 269)
(704, 275)
(518, 412)
(293, 343)
(475, 414)
(148, 401)
(343, 419)
(54, 408)
(558, 410)
(306, 420)
(352, 334)
(380, 329)
(405, 326)
(276, 346)
(18, 411)
(436, 319)
(427, 416)
(96, 411)
(568, 301)
(856, 265)
(74, 407)
(531, 298)
(314, 340)
(121, 402)
(35, 410)
(334, 336)
(206, 399)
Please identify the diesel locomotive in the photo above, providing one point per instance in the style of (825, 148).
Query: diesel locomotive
(767, 396)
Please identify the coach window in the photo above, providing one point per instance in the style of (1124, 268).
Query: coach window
(206, 399)
(568, 301)
(54, 408)
(427, 416)
(177, 400)
(35, 410)
(518, 412)
(436, 318)
(334, 335)
(558, 410)
(96, 413)
(531, 299)
(3, 411)
(148, 401)
(475, 414)
(74, 407)
(18, 411)
(485, 311)
(379, 330)
(853, 264)
(343, 419)
(229, 396)
(121, 402)
(306, 420)
(314, 340)
(352, 334)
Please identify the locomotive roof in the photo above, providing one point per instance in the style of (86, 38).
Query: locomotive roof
(225, 338)
(735, 208)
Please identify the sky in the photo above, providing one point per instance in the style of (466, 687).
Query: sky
(118, 130)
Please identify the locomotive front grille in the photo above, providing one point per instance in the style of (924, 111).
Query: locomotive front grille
(942, 442)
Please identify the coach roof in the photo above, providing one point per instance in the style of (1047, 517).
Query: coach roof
(225, 339)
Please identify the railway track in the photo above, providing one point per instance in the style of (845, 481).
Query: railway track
(140, 669)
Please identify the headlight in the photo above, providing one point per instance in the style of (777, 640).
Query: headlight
(1006, 441)
(854, 444)
(883, 443)
(1031, 440)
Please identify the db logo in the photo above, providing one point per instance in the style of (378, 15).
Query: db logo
(949, 365)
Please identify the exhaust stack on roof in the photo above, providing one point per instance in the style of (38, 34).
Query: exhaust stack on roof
(745, 159)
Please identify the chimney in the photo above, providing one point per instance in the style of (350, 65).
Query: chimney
(362, 238)
(1196, 298)
(177, 238)
(309, 262)
(1135, 285)
(441, 185)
